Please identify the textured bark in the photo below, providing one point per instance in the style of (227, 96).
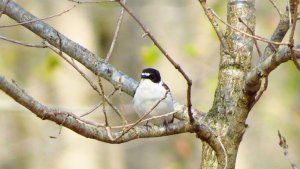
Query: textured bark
(231, 105)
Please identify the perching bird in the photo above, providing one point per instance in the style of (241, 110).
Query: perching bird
(150, 90)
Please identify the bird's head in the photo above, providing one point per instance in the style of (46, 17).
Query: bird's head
(151, 74)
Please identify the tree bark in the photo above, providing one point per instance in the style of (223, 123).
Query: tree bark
(231, 105)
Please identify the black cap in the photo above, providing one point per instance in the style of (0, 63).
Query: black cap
(151, 74)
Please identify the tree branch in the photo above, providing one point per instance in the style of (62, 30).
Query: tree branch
(39, 19)
(120, 19)
(280, 31)
(91, 61)
(294, 15)
(23, 43)
(264, 68)
(208, 12)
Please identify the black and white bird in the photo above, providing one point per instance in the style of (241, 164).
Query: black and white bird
(150, 90)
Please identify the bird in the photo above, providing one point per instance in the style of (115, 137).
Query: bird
(151, 90)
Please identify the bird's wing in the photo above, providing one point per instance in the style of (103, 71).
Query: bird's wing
(168, 89)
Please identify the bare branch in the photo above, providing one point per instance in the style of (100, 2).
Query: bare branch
(103, 100)
(91, 61)
(41, 19)
(120, 19)
(249, 35)
(94, 86)
(208, 12)
(264, 68)
(291, 38)
(3, 9)
(23, 43)
(276, 7)
(252, 32)
(98, 105)
(91, 2)
(280, 31)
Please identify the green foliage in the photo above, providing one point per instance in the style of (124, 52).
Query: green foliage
(191, 50)
(48, 66)
(150, 54)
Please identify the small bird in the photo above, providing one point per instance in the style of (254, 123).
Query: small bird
(150, 90)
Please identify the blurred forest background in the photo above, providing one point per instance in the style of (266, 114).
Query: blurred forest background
(184, 31)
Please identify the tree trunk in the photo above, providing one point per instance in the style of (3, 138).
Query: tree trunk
(232, 105)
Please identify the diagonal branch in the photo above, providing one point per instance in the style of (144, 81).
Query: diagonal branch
(294, 15)
(264, 68)
(257, 37)
(208, 12)
(40, 19)
(23, 43)
(281, 30)
(120, 19)
(91, 61)
(253, 33)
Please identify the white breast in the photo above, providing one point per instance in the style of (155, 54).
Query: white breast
(147, 95)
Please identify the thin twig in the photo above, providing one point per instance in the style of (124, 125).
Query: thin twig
(120, 19)
(119, 89)
(41, 19)
(91, 2)
(252, 32)
(247, 34)
(276, 7)
(208, 12)
(145, 120)
(60, 128)
(177, 66)
(291, 38)
(289, 12)
(98, 105)
(3, 9)
(23, 43)
(103, 100)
